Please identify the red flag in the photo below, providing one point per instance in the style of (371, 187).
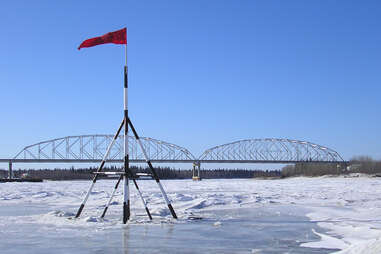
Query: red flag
(117, 37)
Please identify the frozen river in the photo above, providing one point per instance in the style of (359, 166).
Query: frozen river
(296, 215)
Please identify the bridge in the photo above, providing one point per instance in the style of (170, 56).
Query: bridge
(91, 149)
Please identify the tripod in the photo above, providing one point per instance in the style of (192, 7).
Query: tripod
(126, 176)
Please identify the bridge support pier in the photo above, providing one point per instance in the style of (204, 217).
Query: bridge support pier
(196, 171)
(342, 167)
(10, 173)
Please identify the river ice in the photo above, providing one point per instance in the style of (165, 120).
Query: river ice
(295, 215)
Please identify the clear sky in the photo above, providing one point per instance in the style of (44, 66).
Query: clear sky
(201, 73)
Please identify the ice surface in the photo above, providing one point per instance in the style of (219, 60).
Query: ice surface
(348, 210)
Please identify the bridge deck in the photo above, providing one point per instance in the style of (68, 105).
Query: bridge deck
(161, 161)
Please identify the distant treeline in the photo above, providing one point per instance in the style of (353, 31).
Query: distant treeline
(358, 164)
(163, 173)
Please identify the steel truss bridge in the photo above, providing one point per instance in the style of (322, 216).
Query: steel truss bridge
(91, 149)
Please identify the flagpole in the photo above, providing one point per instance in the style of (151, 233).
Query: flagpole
(126, 199)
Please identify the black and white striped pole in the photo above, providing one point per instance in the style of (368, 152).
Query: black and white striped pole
(100, 168)
(126, 194)
(113, 194)
(155, 176)
(143, 201)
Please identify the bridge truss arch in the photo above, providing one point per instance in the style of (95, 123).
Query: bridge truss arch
(91, 148)
(270, 150)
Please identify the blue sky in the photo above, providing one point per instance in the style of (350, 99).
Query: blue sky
(201, 73)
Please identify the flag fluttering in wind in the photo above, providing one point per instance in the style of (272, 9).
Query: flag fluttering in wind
(116, 37)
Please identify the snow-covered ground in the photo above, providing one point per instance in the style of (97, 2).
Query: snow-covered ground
(347, 209)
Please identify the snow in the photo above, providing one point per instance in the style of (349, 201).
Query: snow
(369, 246)
(348, 210)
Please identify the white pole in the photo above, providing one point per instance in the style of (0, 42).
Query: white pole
(111, 197)
(126, 196)
(154, 174)
(141, 197)
(99, 169)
